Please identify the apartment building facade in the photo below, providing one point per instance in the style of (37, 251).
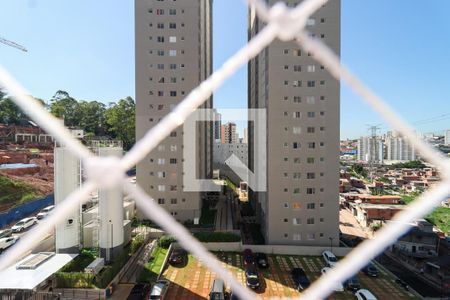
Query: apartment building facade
(173, 56)
(301, 203)
(370, 149)
(399, 149)
(229, 134)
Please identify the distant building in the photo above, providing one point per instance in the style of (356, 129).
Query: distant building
(419, 242)
(447, 137)
(399, 148)
(229, 135)
(217, 125)
(245, 139)
(370, 149)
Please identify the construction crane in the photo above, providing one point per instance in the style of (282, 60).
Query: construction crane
(12, 44)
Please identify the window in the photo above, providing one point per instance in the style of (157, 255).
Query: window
(297, 68)
(173, 188)
(285, 220)
(322, 82)
(161, 201)
(310, 99)
(285, 82)
(310, 221)
(297, 237)
(160, 12)
(311, 114)
(286, 205)
(311, 22)
(161, 188)
(286, 67)
(172, 12)
(296, 115)
(310, 160)
(160, 39)
(173, 93)
(161, 174)
(296, 205)
(296, 221)
(322, 36)
(296, 160)
(296, 130)
(321, 220)
(160, 52)
(311, 236)
(296, 175)
(322, 20)
(296, 191)
(172, 25)
(173, 80)
(285, 235)
(160, 106)
(161, 161)
(310, 191)
(172, 39)
(295, 145)
(160, 67)
(173, 161)
(322, 113)
(297, 99)
(311, 68)
(173, 148)
(286, 51)
(311, 129)
(173, 66)
(173, 201)
(297, 52)
(160, 25)
(172, 52)
(312, 145)
(161, 147)
(321, 205)
(310, 175)
(310, 206)
(311, 83)
(173, 134)
(297, 83)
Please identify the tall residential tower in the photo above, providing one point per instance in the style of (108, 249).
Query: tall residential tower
(301, 204)
(173, 56)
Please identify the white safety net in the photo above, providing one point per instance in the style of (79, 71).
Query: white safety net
(286, 24)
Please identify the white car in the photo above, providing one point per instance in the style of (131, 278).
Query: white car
(339, 287)
(364, 294)
(44, 212)
(24, 224)
(8, 242)
(329, 258)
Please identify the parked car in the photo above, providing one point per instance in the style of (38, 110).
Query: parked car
(7, 242)
(300, 279)
(177, 256)
(329, 258)
(339, 287)
(261, 260)
(370, 270)
(217, 290)
(24, 224)
(252, 278)
(159, 290)
(352, 284)
(234, 296)
(5, 233)
(249, 259)
(139, 291)
(44, 212)
(364, 294)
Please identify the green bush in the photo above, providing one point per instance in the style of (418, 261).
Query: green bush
(165, 241)
(74, 280)
(217, 237)
(136, 243)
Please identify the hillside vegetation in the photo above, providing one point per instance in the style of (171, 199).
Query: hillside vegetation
(13, 193)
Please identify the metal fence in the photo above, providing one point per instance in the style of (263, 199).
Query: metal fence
(285, 24)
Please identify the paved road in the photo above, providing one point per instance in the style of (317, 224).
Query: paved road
(224, 219)
(409, 277)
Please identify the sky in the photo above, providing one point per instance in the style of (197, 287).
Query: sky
(398, 48)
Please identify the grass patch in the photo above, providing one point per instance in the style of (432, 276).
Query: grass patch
(440, 217)
(13, 193)
(153, 267)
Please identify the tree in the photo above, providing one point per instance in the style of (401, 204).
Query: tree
(121, 120)
(92, 117)
(10, 113)
(65, 107)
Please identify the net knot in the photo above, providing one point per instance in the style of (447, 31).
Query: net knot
(105, 171)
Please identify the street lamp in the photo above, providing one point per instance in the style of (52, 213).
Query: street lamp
(331, 243)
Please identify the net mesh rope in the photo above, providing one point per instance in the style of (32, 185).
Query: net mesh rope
(286, 24)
